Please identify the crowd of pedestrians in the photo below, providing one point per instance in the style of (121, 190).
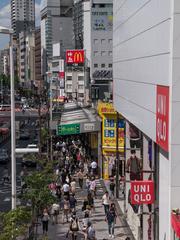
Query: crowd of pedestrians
(74, 168)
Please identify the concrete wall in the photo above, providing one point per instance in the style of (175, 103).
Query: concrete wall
(141, 49)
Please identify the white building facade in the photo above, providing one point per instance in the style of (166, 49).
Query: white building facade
(146, 58)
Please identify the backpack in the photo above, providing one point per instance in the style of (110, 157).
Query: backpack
(74, 225)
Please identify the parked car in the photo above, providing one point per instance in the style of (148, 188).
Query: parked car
(4, 157)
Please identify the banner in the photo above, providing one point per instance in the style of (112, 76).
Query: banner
(162, 117)
(142, 192)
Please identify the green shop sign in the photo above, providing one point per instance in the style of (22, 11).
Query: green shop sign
(68, 129)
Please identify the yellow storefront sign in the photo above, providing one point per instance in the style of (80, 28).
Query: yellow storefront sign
(109, 122)
(105, 108)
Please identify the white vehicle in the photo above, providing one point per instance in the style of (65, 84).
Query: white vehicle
(23, 99)
(32, 146)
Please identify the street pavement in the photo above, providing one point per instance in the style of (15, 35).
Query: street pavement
(59, 231)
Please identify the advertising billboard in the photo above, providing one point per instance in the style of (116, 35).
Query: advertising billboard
(75, 56)
(102, 21)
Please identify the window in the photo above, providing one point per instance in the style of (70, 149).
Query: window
(95, 65)
(103, 65)
(110, 65)
(80, 78)
(103, 53)
(95, 53)
(110, 41)
(69, 78)
(103, 41)
(69, 86)
(81, 86)
(95, 41)
(102, 5)
(110, 53)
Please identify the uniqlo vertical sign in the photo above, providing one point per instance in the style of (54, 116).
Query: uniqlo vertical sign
(74, 56)
(142, 192)
(162, 117)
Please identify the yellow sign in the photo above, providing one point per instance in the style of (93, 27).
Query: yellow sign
(105, 168)
(106, 108)
(109, 133)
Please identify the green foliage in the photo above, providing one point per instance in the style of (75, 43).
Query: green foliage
(14, 223)
(37, 189)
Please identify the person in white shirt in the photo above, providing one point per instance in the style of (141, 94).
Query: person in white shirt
(55, 212)
(106, 202)
(66, 189)
(94, 167)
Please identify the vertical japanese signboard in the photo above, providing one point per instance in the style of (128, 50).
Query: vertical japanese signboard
(61, 73)
(162, 117)
(75, 56)
(142, 192)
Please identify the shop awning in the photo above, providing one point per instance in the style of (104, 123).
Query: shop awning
(82, 118)
(175, 221)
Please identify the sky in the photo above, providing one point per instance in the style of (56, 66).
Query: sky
(5, 18)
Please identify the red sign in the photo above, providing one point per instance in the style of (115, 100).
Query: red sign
(162, 117)
(61, 75)
(142, 192)
(74, 56)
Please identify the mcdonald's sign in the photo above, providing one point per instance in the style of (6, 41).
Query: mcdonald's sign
(74, 56)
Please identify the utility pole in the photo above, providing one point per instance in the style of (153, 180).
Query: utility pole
(117, 156)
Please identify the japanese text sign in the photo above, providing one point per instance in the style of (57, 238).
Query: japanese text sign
(142, 192)
(162, 117)
(74, 56)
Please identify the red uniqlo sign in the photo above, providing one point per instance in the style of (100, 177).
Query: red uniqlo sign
(142, 192)
(162, 117)
(74, 56)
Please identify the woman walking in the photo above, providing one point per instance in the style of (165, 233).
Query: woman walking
(45, 221)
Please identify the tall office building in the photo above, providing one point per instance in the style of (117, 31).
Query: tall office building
(56, 27)
(82, 26)
(22, 16)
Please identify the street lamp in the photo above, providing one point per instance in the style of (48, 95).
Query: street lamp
(9, 32)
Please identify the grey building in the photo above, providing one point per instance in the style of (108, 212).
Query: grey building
(22, 16)
(56, 27)
(93, 25)
(82, 26)
(101, 48)
(38, 75)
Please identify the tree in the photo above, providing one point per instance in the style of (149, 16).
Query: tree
(14, 223)
(37, 190)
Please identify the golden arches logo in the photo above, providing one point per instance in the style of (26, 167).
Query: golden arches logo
(78, 57)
